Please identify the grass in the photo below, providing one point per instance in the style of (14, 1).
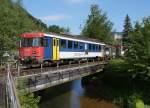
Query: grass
(139, 104)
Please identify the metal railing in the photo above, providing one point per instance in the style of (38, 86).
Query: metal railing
(12, 97)
(35, 82)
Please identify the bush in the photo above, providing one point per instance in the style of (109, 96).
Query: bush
(117, 66)
(27, 100)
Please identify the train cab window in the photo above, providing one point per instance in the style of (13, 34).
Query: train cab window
(36, 42)
(26, 42)
(31, 42)
(70, 44)
(63, 43)
(76, 45)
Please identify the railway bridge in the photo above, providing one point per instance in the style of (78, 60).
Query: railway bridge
(41, 78)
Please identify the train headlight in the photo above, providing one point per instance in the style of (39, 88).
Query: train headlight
(22, 59)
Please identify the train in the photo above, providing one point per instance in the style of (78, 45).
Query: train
(40, 48)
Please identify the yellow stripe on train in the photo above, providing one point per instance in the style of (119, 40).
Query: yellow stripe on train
(55, 49)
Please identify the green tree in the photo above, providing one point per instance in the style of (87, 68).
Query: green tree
(139, 52)
(137, 26)
(57, 29)
(127, 26)
(97, 25)
(127, 31)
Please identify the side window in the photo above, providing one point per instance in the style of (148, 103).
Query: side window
(93, 47)
(57, 42)
(45, 42)
(106, 48)
(63, 43)
(41, 41)
(30, 42)
(81, 46)
(70, 44)
(96, 47)
(99, 47)
(90, 46)
(75, 45)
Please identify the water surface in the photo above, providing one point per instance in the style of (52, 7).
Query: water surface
(71, 95)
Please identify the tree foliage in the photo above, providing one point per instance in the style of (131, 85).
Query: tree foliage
(139, 51)
(127, 26)
(117, 66)
(97, 25)
(57, 29)
(15, 20)
(127, 31)
(26, 99)
(136, 62)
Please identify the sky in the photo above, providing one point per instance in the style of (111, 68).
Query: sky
(74, 13)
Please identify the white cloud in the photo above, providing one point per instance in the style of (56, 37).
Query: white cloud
(76, 1)
(57, 17)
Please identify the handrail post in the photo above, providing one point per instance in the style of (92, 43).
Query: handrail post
(18, 70)
(87, 62)
(41, 65)
(1, 63)
(79, 63)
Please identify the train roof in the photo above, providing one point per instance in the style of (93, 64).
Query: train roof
(32, 35)
(62, 36)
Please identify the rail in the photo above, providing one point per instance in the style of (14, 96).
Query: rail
(12, 97)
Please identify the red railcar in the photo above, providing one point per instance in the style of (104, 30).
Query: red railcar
(31, 49)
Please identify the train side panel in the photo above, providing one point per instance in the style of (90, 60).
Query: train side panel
(72, 55)
(82, 50)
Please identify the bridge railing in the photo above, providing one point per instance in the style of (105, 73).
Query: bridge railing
(35, 82)
(12, 97)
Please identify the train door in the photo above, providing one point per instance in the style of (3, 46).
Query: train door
(47, 48)
(55, 49)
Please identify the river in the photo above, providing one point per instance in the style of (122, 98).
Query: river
(98, 91)
(71, 95)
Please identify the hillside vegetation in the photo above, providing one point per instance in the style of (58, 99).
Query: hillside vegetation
(14, 20)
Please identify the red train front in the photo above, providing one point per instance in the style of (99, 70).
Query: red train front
(31, 50)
